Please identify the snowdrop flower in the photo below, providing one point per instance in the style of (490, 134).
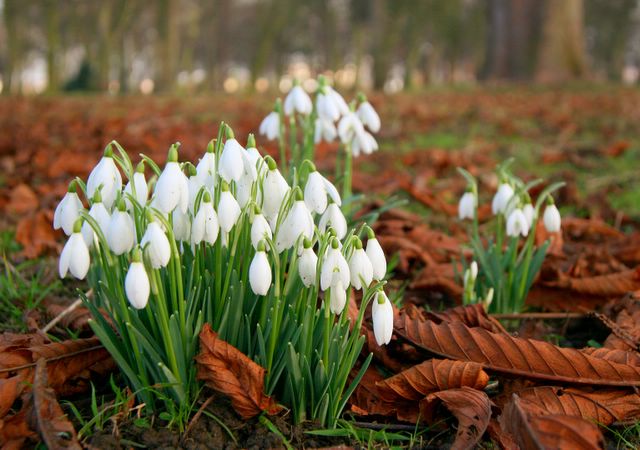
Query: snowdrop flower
(136, 283)
(274, 189)
(181, 225)
(337, 99)
(206, 168)
(228, 209)
(68, 210)
(501, 198)
(194, 185)
(470, 275)
(121, 230)
(334, 268)
(298, 222)
(467, 206)
(231, 165)
(249, 172)
(156, 244)
(382, 316)
(333, 218)
(360, 267)
(100, 214)
(138, 184)
(324, 131)
(349, 127)
(205, 225)
(172, 187)
(551, 218)
(270, 125)
(517, 224)
(259, 230)
(107, 175)
(368, 115)
(338, 295)
(75, 254)
(474, 269)
(376, 256)
(308, 265)
(326, 106)
(363, 142)
(297, 101)
(316, 191)
(530, 213)
(260, 272)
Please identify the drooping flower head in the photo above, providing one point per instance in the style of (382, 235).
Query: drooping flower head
(260, 271)
(75, 254)
(360, 266)
(297, 101)
(137, 187)
(121, 230)
(382, 317)
(551, 218)
(172, 187)
(136, 283)
(105, 176)
(68, 210)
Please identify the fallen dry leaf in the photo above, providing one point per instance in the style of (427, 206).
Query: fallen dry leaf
(226, 369)
(610, 285)
(557, 431)
(47, 417)
(471, 407)
(502, 353)
(613, 354)
(429, 376)
(36, 234)
(22, 200)
(473, 315)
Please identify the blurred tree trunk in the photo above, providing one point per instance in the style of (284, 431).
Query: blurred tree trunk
(52, 16)
(387, 26)
(10, 11)
(512, 38)
(562, 50)
(167, 45)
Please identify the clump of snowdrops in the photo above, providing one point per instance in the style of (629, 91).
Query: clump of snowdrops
(300, 123)
(269, 263)
(506, 259)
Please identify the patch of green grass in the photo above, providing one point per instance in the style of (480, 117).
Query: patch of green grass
(439, 139)
(627, 437)
(374, 438)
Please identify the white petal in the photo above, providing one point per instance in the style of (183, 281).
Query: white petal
(156, 245)
(551, 218)
(315, 194)
(338, 296)
(369, 116)
(259, 229)
(170, 188)
(334, 218)
(79, 256)
(228, 211)
(307, 266)
(136, 285)
(361, 269)
(377, 258)
(260, 274)
(120, 233)
(382, 316)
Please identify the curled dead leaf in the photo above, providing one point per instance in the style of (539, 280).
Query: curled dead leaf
(226, 369)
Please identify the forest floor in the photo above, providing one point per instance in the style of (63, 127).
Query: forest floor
(585, 136)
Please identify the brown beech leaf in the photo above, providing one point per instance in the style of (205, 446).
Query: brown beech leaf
(22, 200)
(47, 417)
(610, 285)
(14, 431)
(36, 234)
(614, 354)
(432, 375)
(10, 390)
(226, 369)
(502, 353)
(603, 406)
(532, 431)
(471, 407)
(473, 315)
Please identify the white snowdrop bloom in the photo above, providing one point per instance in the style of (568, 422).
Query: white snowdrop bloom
(121, 231)
(334, 263)
(231, 163)
(274, 189)
(141, 190)
(257, 161)
(337, 99)
(156, 245)
(228, 210)
(382, 316)
(517, 224)
(259, 230)
(67, 211)
(467, 206)
(316, 191)
(474, 270)
(194, 184)
(181, 225)
(75, 255)
(349, 127)
(172, 187)
(205, 226)
(102, 216)
(363, 142)
(106, 175)
(333, 218)
(529, 212)
(324, 131)
(297, 101)
(270, 126)
(260, 273)
(377, 258)
(369, 116)
(360, 267)
(298, 222)
(338, 296)
(501, 198)
(551, 218)
(307, 267)
(249, 176)
(327, 107)
(136, 283)
(206, 169)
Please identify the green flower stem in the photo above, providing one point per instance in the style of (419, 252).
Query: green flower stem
(347, 180)
(282, 143)
(528, 253)
(327, 326)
